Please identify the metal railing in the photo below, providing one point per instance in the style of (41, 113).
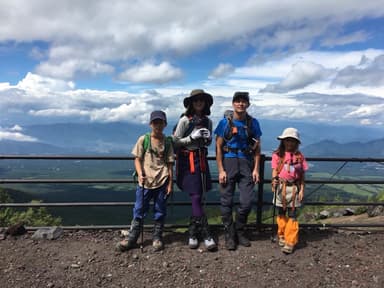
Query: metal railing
(260, 204)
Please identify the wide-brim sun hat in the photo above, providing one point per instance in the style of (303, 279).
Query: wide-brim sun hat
(198, 92)
(290, 133)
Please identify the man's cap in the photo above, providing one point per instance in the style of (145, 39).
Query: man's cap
(195, 93)
(290, 133)
(158, 115)
(240, 95)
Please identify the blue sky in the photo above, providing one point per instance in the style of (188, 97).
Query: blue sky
(106, 61)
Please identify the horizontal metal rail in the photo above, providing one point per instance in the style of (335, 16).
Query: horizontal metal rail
(260, 203)
(122, 157)
(127, 180)
(176, 203)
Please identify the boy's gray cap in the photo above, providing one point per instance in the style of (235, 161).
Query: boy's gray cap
(158, 115)
(240, 95)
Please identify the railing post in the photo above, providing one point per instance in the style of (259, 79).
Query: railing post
(260, 193)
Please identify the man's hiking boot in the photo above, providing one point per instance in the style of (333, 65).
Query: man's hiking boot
(240, 231)
(209, 243)
(287, 249)
(130, 241)
(242, 240)
(281, 241)
(193, 231)
(158, 235)
(230, 233)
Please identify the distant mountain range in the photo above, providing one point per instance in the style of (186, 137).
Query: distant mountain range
(119, 138)
(328, 148)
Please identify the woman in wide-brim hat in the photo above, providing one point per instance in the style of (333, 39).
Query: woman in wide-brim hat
(192, 136)
(198, 94)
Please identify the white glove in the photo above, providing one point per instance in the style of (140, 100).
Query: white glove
(197, 134)
(205, 132)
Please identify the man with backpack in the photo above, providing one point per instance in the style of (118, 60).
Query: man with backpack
(154, 160)
(238, 157)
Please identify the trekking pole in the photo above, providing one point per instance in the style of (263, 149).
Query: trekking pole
(273, 235)
(203, 176)
(142, 216)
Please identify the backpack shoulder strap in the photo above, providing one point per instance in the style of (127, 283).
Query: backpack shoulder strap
(299, 157)
(248, 127)
(228, 133)
(280, 165)
(191, 126)
(168, 144)
(147, 141)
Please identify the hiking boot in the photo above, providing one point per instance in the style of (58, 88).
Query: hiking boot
(287, 249)
(193, 243)
(209, 243)
(125, 245)
(158, 235)
(281, 241)
(193, 228)
(242, 240)
(157, 245)
(240, 231)
(130, 241)
(230, 233)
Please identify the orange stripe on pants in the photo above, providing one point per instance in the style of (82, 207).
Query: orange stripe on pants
(191, 162)
(281, 221)
(291, 234)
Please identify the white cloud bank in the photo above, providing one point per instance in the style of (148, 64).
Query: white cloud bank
(15, 134)
(106, 37)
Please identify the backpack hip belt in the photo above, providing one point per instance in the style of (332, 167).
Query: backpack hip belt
(191, 154)
(228, 149)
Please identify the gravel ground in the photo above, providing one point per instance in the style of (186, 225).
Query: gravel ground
(324, 258)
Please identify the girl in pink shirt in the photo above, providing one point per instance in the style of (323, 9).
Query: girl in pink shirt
(288, 169)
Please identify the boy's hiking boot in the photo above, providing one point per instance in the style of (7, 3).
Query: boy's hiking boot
(157, 245)
(130, 241)
(158, 236)
(209, 243)
(240, 231)
(193, 228)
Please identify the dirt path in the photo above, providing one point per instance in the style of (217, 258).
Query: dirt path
(87, 259)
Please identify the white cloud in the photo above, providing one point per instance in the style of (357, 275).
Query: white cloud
(39, 84)
(68, 68)
(86, 36)
(16, 128)
(223, 69)
(301, 75)
(367, 73)
(367, 111)
(14, 134)
(358, 36)
(149, 73)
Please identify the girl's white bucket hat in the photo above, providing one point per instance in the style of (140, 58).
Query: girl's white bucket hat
(290, 133)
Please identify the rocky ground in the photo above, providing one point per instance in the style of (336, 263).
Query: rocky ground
(324, 258)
